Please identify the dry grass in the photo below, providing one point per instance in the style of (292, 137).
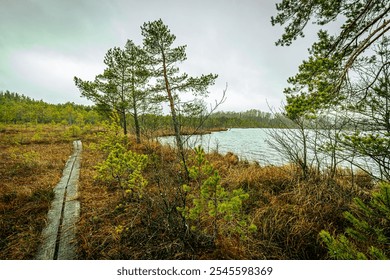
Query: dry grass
(291, 220)
(288, 212)
(113, 228)
(30, 166)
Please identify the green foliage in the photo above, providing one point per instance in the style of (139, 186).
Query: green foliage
(121, 87)
(368, 237)
(38, 134)
(371, 110)
(24, 160)
(212, 209)
(341, 248)
(369, 144)
(17, 108)
(338, 77)
(123, 169)
(158, 43)
(164, 58)
(332, 58)
(298, 13)
(361, 20)
(248, 119)
(72, 132)
(112, 134)
(314, 87)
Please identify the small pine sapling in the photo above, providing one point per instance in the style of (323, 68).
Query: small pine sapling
(111, 136)
(211, 209)
(123, 169)
(369, 234)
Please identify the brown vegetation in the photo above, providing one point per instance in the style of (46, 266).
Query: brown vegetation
(31, 164)
(289, 212)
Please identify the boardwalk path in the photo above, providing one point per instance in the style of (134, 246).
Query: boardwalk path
(58, 238)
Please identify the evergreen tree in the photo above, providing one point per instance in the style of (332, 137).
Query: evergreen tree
(109, 89)
(139, 76)
(121, 87)
(158, 43)
(321, 78)
(364, 23)
(368, 237)
(370, 110)
(17, 108)
(209, 208)
(337, 79)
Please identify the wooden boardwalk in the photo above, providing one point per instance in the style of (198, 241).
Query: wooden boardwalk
(58, 237)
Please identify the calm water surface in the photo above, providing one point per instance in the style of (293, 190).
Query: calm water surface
(247, 143)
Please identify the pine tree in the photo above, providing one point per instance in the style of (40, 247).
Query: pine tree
(121, 87)
(368, 237)
(158, 43)
(210, 208)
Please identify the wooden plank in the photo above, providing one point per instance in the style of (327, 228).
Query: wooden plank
(58, 237)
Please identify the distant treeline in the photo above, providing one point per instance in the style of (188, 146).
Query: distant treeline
(17, 108)
(248, 119)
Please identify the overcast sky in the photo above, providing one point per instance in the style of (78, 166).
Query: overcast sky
(45, 43)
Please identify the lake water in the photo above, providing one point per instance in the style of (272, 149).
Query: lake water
(248, 144)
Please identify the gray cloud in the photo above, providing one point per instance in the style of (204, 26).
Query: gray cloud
(45, 43)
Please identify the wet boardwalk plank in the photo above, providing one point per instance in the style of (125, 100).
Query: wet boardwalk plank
(58, 237)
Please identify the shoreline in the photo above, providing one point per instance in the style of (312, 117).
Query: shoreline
(187, 132)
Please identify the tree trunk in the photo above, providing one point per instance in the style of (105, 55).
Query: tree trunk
(176, 125)
(136, 124)
(304, 164)
(124, 122)
(135, 111)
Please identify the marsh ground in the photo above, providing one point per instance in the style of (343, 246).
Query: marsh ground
(288, 211)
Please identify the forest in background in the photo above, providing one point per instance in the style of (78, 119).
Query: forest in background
(20, 109)
(144, 200)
